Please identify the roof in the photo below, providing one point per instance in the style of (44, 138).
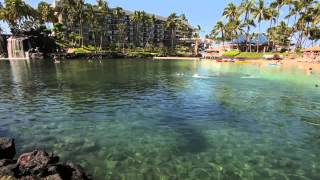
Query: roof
(314, 48)
(263, 40)
(128, 12)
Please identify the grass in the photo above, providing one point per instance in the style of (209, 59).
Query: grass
(232, 53)
(255, 55)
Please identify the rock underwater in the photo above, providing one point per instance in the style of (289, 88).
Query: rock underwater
(35, 165)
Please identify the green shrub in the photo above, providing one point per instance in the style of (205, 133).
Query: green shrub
(250, 55)
(232, 53)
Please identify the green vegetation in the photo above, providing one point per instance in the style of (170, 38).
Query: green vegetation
(232, 53)
(77, 13)
(301, 22)
(250, 55)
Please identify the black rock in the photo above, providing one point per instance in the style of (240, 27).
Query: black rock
(8, 170)
(68, 171)
(5, 162)
(7, 148)
(35, 163)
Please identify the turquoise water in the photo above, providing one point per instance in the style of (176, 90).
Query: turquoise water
(136, 119)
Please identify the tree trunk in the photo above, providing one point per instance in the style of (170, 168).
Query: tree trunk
(258, 40)
(172, 38)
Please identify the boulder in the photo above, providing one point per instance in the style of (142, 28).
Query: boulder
(53, 177)
(35, 163)
(5, 162)
(7, 148)
(69, 171)
(8, 170)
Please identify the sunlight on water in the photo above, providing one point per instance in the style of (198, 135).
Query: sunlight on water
(166, 119)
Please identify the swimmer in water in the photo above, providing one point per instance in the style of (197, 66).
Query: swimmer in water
(309, 72)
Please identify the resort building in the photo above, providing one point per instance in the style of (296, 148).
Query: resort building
(242, 43)
(312, 52)
(121, 30)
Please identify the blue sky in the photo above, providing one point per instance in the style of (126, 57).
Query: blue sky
(200, 12)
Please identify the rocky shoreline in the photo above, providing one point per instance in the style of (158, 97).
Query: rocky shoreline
(35, 165)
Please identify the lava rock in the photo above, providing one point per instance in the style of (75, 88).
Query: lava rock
(53, 177)
(68, 171)
(8, 170)
(5, 162)
(35, 163)
(7, 148)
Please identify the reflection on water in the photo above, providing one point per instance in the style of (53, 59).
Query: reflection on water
(163, 120)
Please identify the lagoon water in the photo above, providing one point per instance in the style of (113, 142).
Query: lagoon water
(142, 119)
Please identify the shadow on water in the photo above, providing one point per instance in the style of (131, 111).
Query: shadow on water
(190, 140)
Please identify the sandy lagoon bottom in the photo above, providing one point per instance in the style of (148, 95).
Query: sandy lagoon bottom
(124, 119)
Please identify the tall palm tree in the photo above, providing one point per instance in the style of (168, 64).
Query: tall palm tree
(152, 22)
(15, 11)
(278, 4)
(247, 8)
(137, 19)
(79, 12)
(271, 16)
(104, 10)
(91, 17)
(46, 13)
(219, 29)
(172, 24)
(118, 13)
(260, 14)
(305, 20)
(231, 11)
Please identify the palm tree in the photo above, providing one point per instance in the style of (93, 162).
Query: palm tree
(172, 24)
(118, 13)
(104, 10)
(247, 7)
(152, 22)
(46, 13)
(15, 11)
(278, 4)
(219, 29)
(79, 9)
(231, 11)
(271, 16)
(260, 14)
(122, 28)
(91, 17)
(305, 20)
(196, 36)
(137, 18)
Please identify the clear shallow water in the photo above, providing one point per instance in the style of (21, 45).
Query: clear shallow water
(125, 119)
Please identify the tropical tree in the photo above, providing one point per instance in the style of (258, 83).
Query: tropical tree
(93, 21)
(231, 11)
(152, 20)
(219, 31)
(247, 8)
(17, 12)
(260, 13)
(122, 29)
(46, 13)
(278, 4)
(104, 10)
(136, 18)
(172, 24)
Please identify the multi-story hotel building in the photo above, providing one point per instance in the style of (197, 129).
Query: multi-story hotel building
(155, 33)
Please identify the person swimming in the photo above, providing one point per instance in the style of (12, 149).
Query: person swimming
(310, 71)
